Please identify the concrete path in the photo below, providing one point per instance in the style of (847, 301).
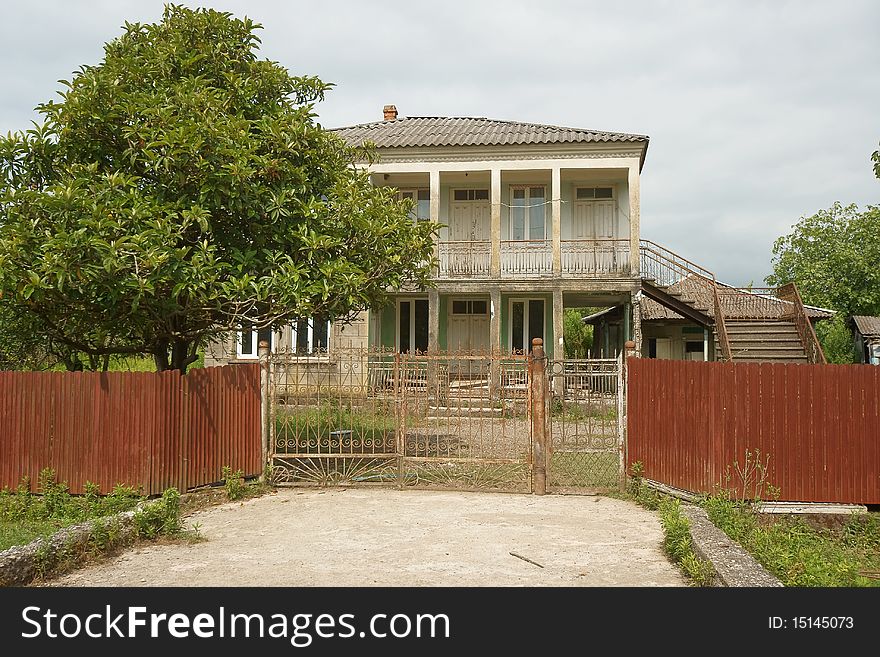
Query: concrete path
(382, 537)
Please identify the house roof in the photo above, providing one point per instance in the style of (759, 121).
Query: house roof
(735, 303)
(867, 325)
(425, 131)
(589, 319)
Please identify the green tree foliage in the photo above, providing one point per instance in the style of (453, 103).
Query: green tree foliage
(181, 188)
(833, 256)
(578, 336)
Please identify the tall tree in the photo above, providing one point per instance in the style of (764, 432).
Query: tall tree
(833, 256)
(182, 188)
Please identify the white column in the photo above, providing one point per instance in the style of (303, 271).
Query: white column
(637, 321)
(558, 324)
(495, 347)
(495, 223)
(433, 320)
(434, 183)
(556, 218)
(634, 194)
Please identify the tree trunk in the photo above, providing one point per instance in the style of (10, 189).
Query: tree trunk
(160, 356)
(183, 354)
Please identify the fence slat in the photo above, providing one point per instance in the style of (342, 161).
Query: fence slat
(127, 427)
(688, 422)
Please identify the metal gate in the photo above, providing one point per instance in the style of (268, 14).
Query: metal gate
(451, 420)
(586, 448)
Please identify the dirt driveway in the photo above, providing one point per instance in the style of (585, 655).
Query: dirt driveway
(381, 537)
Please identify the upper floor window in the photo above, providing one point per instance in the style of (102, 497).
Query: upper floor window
(421, 199)
(591, 193)
(310, 337)
(527, 213)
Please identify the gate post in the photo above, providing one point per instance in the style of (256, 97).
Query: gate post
(537, 406)
(265, 401)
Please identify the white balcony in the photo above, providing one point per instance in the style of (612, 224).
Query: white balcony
(534, 258)
(464, 259)
(602, 257)
(526, 258)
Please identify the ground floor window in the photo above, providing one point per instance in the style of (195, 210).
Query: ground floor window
(694, 350)
(412, 325)
(310, 336)
(249, 339)
(526, 323)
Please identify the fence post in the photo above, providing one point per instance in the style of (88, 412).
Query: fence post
(265, 402)
(399, 417)
(538, 404)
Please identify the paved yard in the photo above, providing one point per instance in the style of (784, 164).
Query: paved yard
(382, 537)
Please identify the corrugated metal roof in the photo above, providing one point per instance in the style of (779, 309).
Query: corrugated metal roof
(867, 325)
(424, 131)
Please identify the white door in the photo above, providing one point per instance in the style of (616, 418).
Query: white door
(469, 224)
(595, 220)
(470, 221)
(664, 348)
(468, 334)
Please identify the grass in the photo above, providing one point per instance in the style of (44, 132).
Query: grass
(25, 531)
(585, 469)
(300, 428)
(677, 541)
(800, 553)
(25, 517)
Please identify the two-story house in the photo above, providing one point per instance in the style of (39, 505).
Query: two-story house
(536, 218)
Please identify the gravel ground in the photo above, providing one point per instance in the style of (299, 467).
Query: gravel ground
(385, 537)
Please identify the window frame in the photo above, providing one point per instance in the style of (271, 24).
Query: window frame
(310, 352)
(274, 338)
(527, 213)
(412, 322)
(527, 300)
(402, 193)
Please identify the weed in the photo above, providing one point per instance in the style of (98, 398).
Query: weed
(797, 553)
(159, 517)
(749, 480)
(234, 483)
(679, 545)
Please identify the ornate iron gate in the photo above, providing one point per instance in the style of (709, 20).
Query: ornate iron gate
(452, 420)
(585, 419)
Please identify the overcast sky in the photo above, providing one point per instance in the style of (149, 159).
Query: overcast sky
(758, 112)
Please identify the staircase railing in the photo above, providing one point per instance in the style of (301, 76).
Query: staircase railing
(807, 334)
(665, 268)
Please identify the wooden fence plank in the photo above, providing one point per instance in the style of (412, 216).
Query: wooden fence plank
(820, 425)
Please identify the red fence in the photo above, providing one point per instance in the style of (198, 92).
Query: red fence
(147, 430)
(689, 422)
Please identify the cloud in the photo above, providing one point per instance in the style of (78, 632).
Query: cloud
(758, 112)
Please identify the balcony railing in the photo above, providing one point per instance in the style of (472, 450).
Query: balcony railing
(595, 257)
(464, 259)
(526, 257)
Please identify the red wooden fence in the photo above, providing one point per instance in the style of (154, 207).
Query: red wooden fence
(142, 429)
(688, 422)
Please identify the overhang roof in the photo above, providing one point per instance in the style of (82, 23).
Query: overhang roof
(428, 131)
(733, 303)
(867, 325)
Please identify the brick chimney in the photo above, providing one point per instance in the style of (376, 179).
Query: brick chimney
(389, 112)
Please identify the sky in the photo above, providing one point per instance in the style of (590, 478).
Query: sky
(758, 112)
